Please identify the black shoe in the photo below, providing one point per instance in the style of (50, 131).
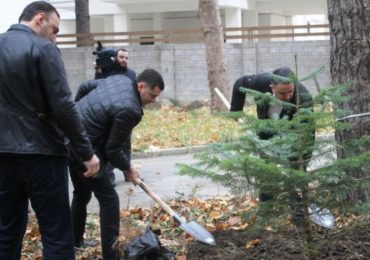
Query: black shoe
(265, 197)
(297, 219)
(296, 207)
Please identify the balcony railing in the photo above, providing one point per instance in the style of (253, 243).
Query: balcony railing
(240, 34)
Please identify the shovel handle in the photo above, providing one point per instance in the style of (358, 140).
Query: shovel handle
(155, 197)
(223, 98)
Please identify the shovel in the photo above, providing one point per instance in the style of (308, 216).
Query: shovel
(321, 217)
(192, 228)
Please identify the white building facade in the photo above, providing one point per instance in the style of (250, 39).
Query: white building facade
(183, 66)
(149, 15)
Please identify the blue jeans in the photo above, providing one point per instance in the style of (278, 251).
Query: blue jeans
(109, 209)
(43, 180)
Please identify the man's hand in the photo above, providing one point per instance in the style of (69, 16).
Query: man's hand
(132, 174)
(92, 166)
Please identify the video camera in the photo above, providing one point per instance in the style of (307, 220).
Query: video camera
(105, 57)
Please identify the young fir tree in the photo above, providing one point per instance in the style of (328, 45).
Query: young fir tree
(279, 165)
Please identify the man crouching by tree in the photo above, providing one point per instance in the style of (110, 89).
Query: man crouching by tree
(285, 91)
(109, 109)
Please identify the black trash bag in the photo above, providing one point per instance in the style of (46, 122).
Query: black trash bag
(147, 247)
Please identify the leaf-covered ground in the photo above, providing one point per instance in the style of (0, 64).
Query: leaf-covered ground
(235, 239)
(216, 214)
(350, 242)
(173, 127)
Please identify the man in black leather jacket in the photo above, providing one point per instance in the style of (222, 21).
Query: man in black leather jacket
(37, 113)
(109, 108)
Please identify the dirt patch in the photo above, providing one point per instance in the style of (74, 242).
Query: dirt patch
(351, 242)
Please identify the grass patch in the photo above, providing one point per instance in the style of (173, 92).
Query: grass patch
(171, 127)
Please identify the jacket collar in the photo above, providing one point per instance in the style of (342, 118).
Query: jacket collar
(21, 27)
(119, 68)
(136, 90)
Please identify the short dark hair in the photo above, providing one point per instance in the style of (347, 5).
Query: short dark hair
(120, 49)
(37, 7)
(282, 75)
(152, 78)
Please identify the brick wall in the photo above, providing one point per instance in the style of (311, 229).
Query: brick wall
(183, 66)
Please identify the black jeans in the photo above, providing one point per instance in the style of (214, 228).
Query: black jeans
(108, 170)
(43, 180)
(109, 209)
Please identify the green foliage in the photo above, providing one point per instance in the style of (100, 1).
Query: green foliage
(287, 164)
(313, 74)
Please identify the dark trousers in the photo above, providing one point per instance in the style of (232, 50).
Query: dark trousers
(44, 181)
(109, 168)
(109, 210)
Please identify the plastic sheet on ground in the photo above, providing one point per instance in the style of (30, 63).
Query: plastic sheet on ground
(147, 247)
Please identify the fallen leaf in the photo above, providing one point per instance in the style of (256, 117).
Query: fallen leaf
(269, 228)
(214, 214)
(33, 234)
(221, 226)
(240, 227)
(234, 220)
(164, 218)
(124, 213)
(253, 243)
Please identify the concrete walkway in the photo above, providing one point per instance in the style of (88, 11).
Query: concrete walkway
(158, 170)
(159, 174)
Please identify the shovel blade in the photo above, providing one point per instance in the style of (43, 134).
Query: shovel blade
(198, 232)
(321, 217)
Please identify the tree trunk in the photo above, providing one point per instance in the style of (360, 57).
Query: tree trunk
(210, 20)
(83, 23)
(350, 63)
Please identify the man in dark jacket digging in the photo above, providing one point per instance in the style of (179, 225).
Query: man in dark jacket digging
(284, 91)
(109, 109)
(119, 66)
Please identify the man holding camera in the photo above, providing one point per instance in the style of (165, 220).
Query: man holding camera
(118, 66)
